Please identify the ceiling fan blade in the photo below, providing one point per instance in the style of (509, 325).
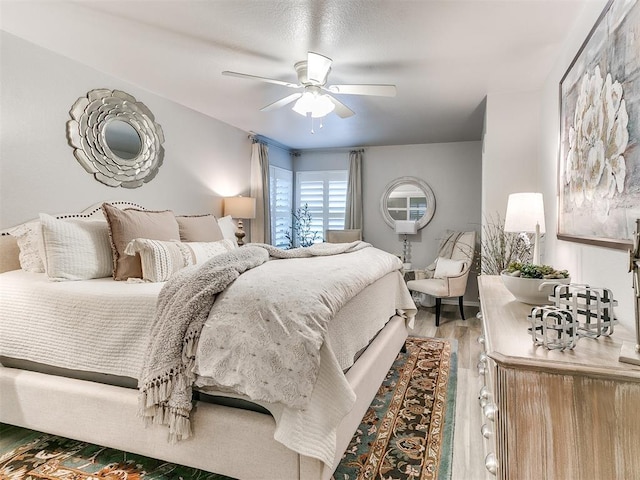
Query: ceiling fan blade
(378, 90)
(281, 103)
(318, 67)
(261, 79)
(341, 109)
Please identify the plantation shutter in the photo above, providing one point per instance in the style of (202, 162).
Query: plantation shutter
(281, 191)
(325, 194)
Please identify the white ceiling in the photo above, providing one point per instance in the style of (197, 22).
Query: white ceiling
(443, 56)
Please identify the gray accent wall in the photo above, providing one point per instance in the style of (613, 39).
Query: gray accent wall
(452, 170)
(205, 159)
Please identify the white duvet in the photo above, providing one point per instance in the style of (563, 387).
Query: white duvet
(96, 326)
(90, 325)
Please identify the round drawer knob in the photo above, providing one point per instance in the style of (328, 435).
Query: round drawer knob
(484, 396)
(482, 367)
(490, 410)
(491, 463)
(486, 431)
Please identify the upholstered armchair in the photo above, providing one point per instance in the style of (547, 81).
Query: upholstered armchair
(447, 276)
(343, 236)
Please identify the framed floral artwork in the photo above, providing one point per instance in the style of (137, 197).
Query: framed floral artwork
(599, 158)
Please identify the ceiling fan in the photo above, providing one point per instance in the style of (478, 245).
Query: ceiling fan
(312, 78)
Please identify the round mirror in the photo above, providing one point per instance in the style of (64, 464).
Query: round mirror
(115, 138)
(122, 139)
(408, 198)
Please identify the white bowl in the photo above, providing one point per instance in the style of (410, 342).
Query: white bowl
(529, 290)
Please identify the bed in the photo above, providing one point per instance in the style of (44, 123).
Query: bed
(85, 392)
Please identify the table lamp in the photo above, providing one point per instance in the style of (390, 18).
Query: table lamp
(406, 227)
(240, 208)
(525, 213)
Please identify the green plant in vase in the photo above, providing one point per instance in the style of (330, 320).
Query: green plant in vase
(529, 270)
(302, 233)
(499, 248)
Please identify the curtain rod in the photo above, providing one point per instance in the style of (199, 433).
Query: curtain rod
(296, 152)
(336, 149)
(254, 137)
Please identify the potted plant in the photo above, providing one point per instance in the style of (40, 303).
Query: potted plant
(509, 255)
(302, 233)
(531, 283)
(499, 248)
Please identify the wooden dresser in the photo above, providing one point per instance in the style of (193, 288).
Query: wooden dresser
(551, 414)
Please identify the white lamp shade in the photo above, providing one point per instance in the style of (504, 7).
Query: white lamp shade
(524, 212)
(406, 227)
(317, 105)
(240, 207)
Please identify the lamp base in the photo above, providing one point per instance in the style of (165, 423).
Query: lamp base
(240, 233)
(629, 353)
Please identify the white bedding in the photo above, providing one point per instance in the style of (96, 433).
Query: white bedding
(288, 307)
(101, 332)
(90, 325)
(84, 340)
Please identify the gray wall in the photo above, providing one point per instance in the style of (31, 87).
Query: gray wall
(205, 159)
(452, 170)
(337, 159)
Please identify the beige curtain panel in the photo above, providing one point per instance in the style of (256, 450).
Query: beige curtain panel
(261, 225)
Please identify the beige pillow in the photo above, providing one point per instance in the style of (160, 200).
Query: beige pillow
(161, 259)
(199, 228)
(125, 225)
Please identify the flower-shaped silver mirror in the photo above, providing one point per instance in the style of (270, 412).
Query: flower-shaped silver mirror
(115, 138)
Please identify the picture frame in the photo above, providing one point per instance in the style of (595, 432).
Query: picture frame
(599, 151)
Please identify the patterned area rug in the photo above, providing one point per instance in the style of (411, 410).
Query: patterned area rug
(407, 433)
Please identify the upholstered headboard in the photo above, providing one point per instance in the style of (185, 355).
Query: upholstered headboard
(9, 251)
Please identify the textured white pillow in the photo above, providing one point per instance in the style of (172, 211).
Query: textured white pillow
(161, 259)
(446, 267)
(29, 237)
(228, 229)
(75, 249)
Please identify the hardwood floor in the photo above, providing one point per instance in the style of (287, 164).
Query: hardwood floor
(468, 456)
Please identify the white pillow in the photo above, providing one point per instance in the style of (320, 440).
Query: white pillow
(29, 237)
(228, 228)
(75, 249)
(161, 259)
(446, 267)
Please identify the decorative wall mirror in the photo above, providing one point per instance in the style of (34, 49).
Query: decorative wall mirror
(115, 138)
(408, 198)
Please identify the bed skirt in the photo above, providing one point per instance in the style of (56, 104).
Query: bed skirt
(229, 441)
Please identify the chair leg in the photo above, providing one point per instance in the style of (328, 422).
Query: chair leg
(461, 307)
(438, 304)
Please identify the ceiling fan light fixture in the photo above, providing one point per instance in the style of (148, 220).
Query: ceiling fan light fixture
(316, 105)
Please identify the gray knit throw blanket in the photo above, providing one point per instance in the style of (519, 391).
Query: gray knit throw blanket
(183, 307)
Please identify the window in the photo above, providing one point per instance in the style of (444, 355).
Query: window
(325, 193)
(281, 192)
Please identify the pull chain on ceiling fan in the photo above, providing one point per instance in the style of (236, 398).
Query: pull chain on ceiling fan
(314, 101)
